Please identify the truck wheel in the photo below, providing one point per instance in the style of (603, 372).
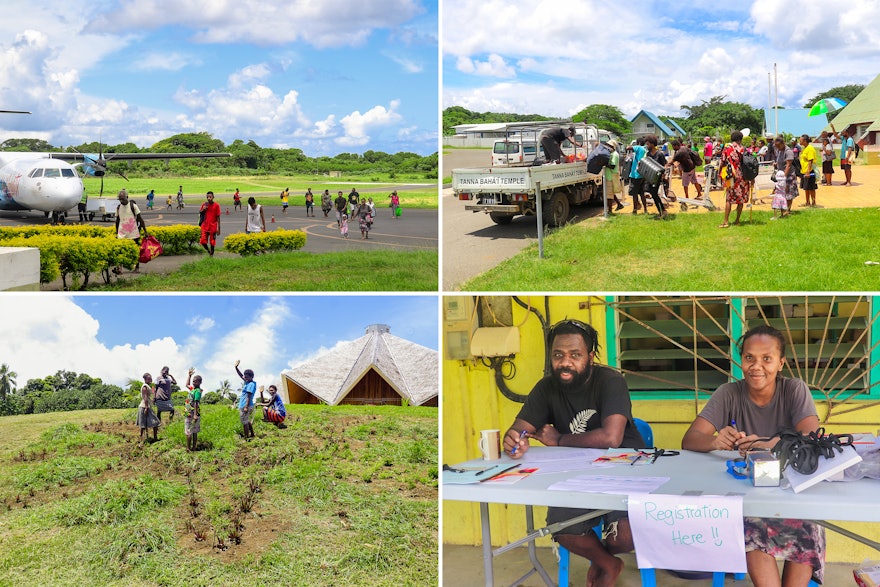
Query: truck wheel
(501, 219)
(556, 209)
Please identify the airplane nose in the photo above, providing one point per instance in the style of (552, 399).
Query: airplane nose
(58, 195)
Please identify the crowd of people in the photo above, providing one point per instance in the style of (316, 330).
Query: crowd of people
(796, 165)
(156, 398)
(584, 404)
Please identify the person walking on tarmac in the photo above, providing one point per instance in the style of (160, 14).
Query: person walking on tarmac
(551, 141)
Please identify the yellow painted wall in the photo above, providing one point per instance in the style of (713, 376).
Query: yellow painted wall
(470, 402)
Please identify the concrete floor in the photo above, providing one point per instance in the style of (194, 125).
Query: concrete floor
(463, 567)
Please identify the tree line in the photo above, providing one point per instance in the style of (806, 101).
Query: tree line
(248, 158)
(713, 117)
(67, 391)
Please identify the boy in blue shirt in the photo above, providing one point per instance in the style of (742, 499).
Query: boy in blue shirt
(246, 401)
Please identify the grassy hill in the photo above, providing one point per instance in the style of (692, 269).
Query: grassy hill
(342, 496)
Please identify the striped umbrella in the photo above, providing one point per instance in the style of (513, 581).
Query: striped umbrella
(826, 105)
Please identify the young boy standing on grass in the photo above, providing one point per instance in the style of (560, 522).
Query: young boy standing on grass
(246, 401)
(146, 418)
(192, 422)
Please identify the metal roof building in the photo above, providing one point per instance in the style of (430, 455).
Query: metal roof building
(377, 368)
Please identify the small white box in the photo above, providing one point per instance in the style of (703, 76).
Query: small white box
(763, 468)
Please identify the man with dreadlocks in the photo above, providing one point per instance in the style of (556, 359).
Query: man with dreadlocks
(581, 404)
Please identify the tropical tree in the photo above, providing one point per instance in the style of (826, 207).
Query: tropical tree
(225, 389)
(7, 381)
(719, 114)
(605, 116)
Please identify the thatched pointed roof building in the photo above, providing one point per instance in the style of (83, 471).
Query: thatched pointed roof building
(377, 368)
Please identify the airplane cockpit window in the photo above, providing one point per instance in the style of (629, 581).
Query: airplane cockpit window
(52, 172)
(36, 173)
(67, 173)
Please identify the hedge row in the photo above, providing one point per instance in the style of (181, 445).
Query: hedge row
(78, 252)
(179, 239)
(261, 242)
(78, 257)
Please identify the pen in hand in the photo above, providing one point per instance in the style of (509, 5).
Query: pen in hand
(522, 435)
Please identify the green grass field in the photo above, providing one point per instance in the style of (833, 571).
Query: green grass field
(812, 250)
(194, 188)
(295, 271)
(342, 496)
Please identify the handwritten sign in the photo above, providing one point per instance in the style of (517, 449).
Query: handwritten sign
(688, 533)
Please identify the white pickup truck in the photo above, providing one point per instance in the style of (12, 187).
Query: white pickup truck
(506, 192)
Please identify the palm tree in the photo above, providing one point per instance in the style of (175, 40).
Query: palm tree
(226, 389)
(7, 381)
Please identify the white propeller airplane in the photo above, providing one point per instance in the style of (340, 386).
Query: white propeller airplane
(49, 182)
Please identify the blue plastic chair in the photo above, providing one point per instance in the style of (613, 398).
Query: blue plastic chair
(645, 430)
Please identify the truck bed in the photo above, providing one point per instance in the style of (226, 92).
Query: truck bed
(520, 179)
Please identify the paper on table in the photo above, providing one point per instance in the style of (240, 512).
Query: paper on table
(609, 484)
(561, 459)
(827, 469)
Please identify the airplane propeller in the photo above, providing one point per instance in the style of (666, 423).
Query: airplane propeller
(97, 167)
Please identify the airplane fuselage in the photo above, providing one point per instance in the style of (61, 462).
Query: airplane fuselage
(29, 182)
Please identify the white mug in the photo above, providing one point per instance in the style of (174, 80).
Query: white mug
(490, 444)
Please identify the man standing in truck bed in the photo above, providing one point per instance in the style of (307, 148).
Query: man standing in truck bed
(552, 139)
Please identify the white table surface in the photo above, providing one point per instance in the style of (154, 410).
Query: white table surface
(689, 473)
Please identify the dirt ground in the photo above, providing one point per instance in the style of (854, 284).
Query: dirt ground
(864, 193)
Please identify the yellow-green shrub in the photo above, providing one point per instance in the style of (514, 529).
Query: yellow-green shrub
(261, 242)
(178, 239)
(78, 258)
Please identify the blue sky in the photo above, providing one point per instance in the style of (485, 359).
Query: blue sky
(555, 58)
(326, 77)
(119, 337)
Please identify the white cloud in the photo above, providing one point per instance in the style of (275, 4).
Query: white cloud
(357, 125)
(201, 323)
(652, 55)
(52, 333)
(494, 66)
(332, 23)
(257, 344)
(164, 62)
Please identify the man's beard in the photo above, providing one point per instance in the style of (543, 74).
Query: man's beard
(578, 380)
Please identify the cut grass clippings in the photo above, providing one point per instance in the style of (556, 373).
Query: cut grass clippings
(297, 271)
(344, 495)
(812, 250)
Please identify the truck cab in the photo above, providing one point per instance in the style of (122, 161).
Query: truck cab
(515, 151)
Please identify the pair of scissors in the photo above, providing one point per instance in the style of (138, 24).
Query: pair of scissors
(660, 452)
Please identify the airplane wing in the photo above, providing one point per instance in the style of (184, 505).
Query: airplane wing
(107, 157)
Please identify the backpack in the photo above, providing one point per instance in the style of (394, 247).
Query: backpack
(695, 157)
(749, 166)
(202, 212)
(599, 158)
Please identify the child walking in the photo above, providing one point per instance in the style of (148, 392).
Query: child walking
(192, 422)
(779, 203)
(343, 226)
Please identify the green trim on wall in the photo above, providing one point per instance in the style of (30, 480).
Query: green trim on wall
(737, 329)
(874, 370)
(611, 338)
